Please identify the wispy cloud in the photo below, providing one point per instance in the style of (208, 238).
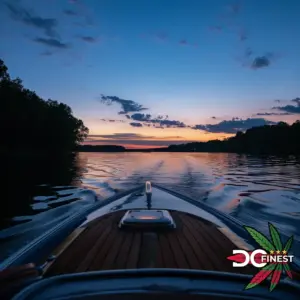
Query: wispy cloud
(183, 42)
(297, 100)
(23, 15)
(216, 28)
(112, 121)
(128, 106)
(52, 43)
(131, 110)
(234, 125)
(47, 53)
(136, 124)
(130, 139)
(164, 37)
(254, 61)
(273, 114)
(229, 21)
(129, 135)
(140, 117)
(158, 122)
(243, 34)
(261, 62)
(83, 11)
(291, 109)
(88, 39)
(70, 12)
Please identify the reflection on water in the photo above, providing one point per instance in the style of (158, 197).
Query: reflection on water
(37, 194)
(255, 190)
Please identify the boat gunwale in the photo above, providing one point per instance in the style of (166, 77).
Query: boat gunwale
(189, 277)
(58, 233)
(22, 255)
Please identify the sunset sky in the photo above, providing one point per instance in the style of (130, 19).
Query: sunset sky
(144, 73)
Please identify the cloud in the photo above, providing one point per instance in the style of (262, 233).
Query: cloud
(248, 52)
(84, 12)
(112, 121)
(234, 8)
(127, 105)
(158, 122)
(132, 142)
(53, 43)
(18, 13)
(183, 42)
(243, 35)
(136, 124)
(47, 53)
(260, 62)
(273, 114)
(88, 39)
(297, 100)
(129, 135)
(69, 12)
(291, 109)
(216, 28)
(123, 136)
(141, 117)
(234, 125)
(172, 123)
(130, 106)
(255, 62)
(134, 139)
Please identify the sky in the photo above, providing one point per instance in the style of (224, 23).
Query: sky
(149, 73)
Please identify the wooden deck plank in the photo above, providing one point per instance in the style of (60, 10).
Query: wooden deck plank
(159, 259)
(194, 244)
(99, 260)
(113, 252)
(68, 261)
(167, 254)
(120, 262)
(90, 255)
(149, 250)
(188, 251)
(215, 250)
(197, 241)
(220, 247)
(133, 257)
(179, 255)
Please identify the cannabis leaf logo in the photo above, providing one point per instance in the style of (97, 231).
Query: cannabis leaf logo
(275, 247)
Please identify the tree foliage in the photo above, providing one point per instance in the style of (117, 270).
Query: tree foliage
(29, 123)
(269, 139)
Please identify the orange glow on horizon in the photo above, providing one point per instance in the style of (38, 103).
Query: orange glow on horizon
(127, 146)
(147, 138)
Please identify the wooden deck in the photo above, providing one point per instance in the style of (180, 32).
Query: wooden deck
(194, 244)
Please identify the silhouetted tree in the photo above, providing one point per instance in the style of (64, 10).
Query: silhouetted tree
(41, 137)
(30, 124)
(268, 139)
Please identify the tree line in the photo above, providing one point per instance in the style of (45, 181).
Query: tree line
(30, 124)
(281, 138)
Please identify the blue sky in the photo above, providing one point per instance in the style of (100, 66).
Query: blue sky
(208, 67)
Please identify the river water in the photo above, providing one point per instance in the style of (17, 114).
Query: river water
(254, 190)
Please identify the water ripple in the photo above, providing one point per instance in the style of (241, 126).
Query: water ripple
(255, 190)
